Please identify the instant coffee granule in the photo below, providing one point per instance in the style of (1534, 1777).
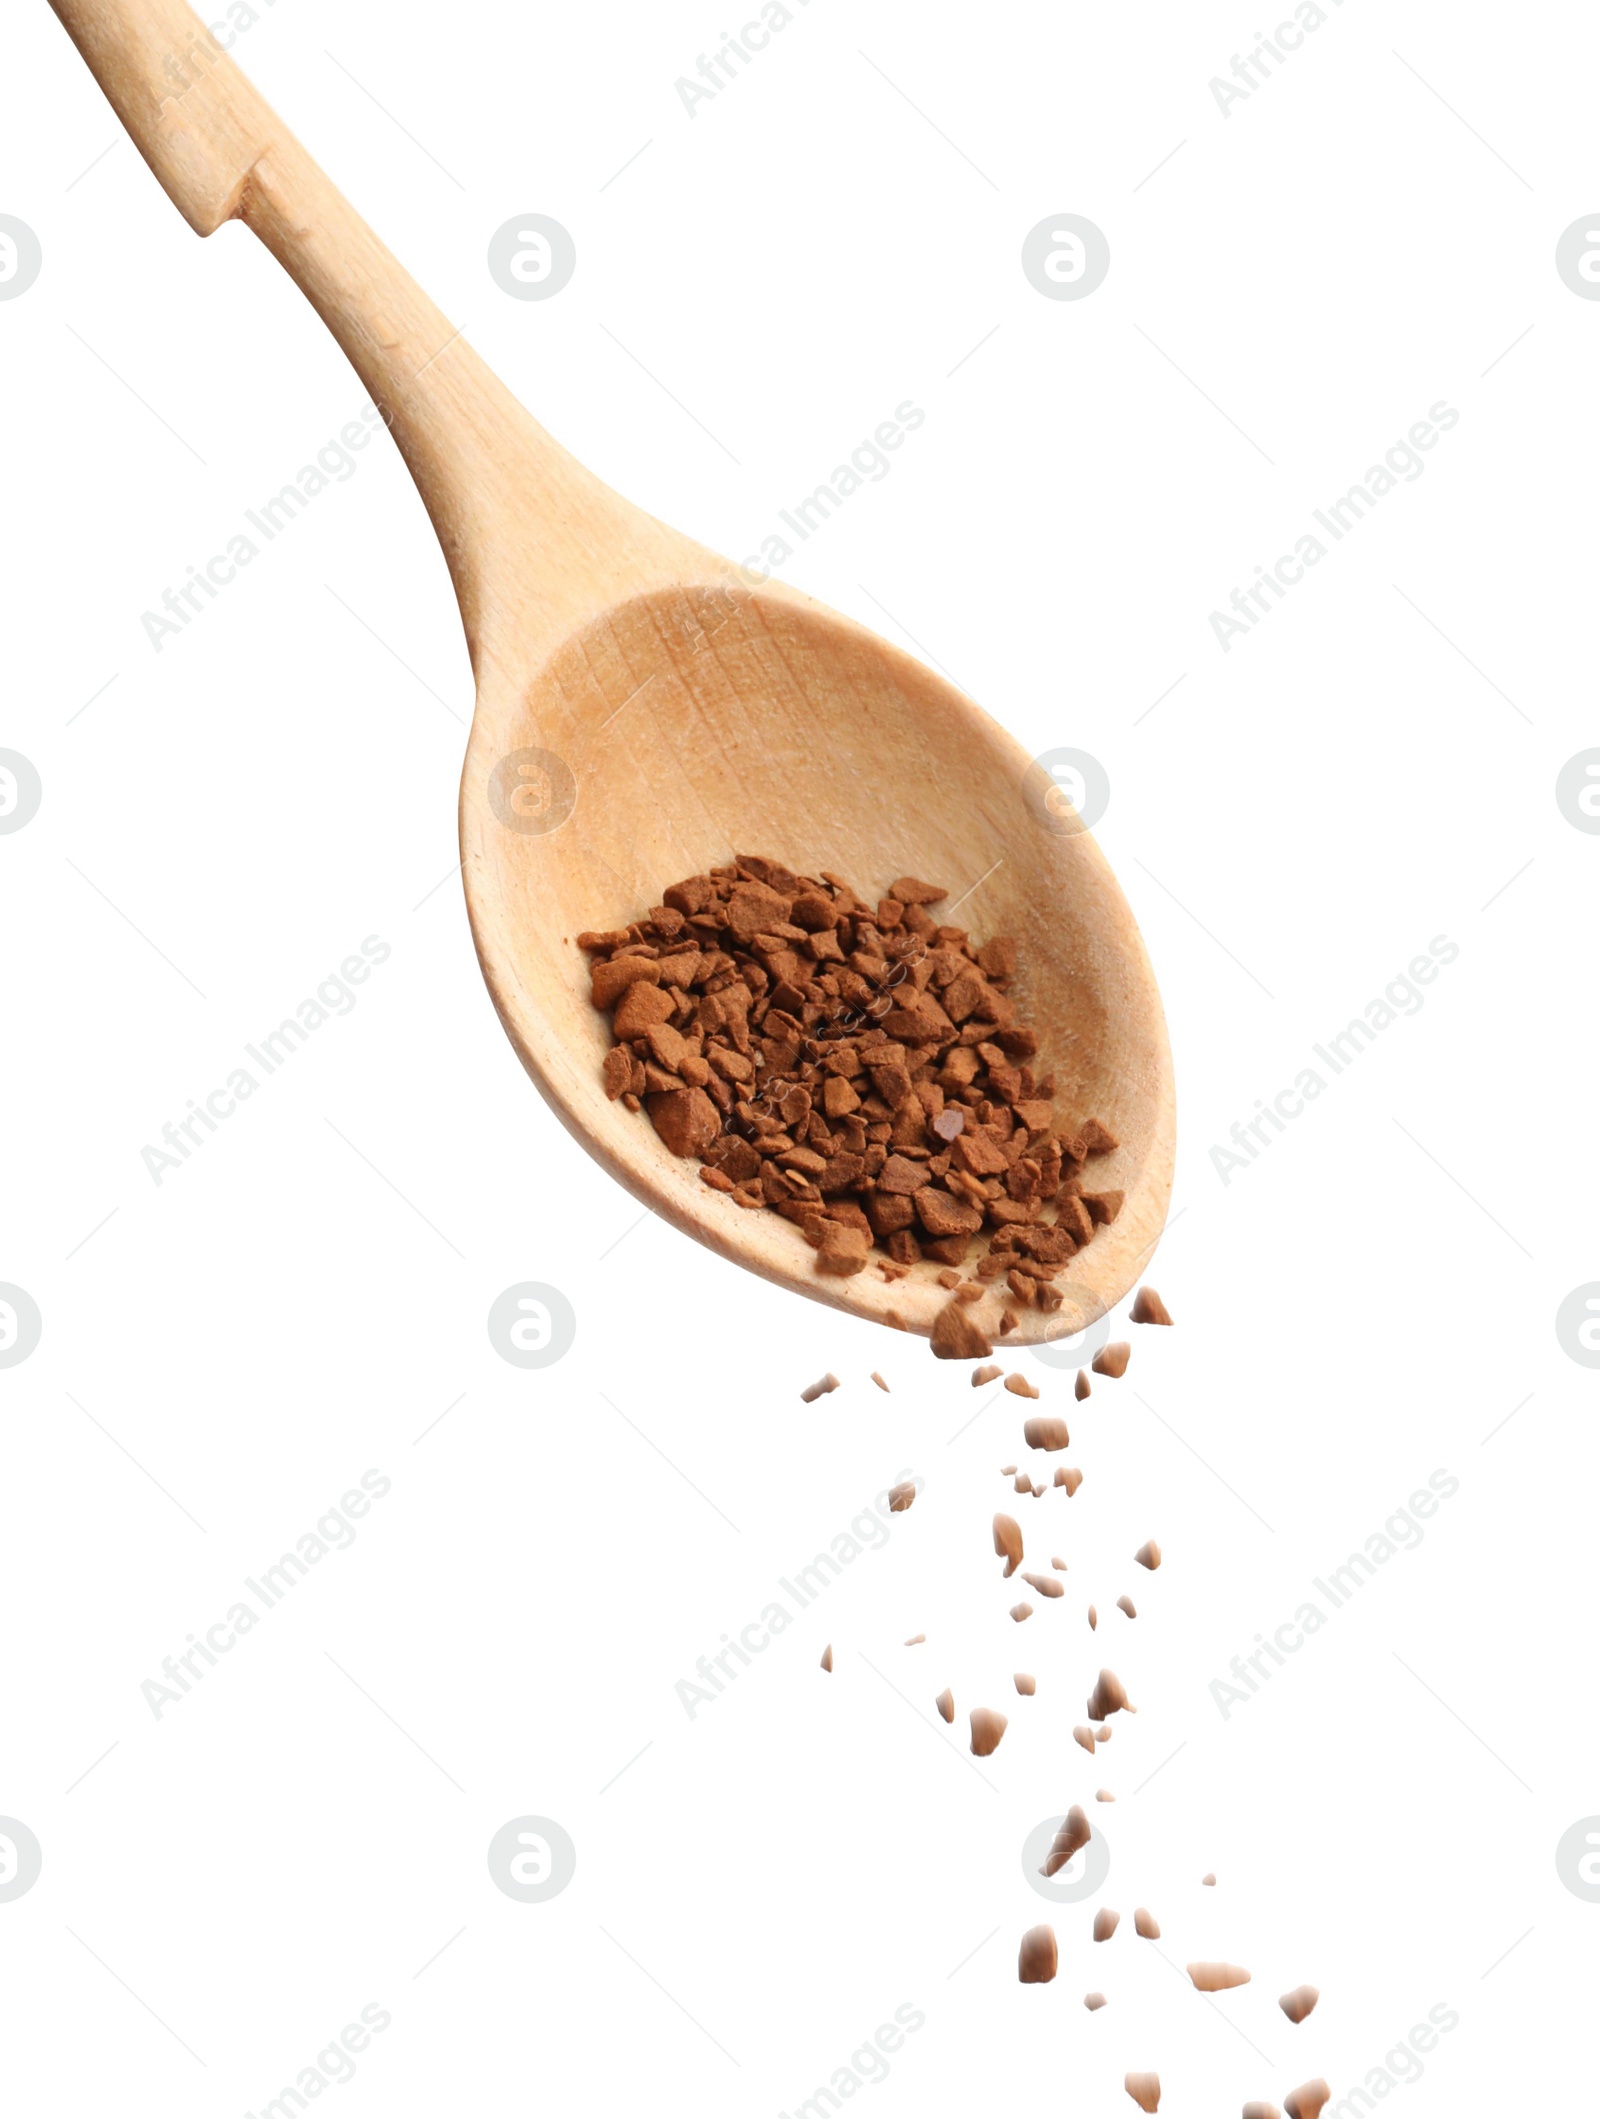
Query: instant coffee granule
(1218, 1978)
(1308, 2100)
(857, 1068)
(1037, 1957)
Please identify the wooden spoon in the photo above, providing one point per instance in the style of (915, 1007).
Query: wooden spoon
(677, 708)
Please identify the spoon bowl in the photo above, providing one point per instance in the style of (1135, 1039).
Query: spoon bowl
(687, 724)
(645, 711)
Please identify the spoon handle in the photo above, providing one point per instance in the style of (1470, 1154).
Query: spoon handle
(222, 153)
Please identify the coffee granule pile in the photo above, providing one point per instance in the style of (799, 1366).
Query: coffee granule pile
(854, 1067)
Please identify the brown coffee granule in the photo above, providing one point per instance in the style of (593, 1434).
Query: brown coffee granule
(1021, 1611)
(1083, 1736)
(852, 1069)
(1047, 1585)
(1298, 2003)
(1070, 1479)
(1024, 1684)
(1210, 1877)
(1104, 1795)
(1081, 1389)
(1149, 1555)
(1145, 2090)
(1148, 1308)
(819, 1389)
(1094, 2001)
(1307, 2101)
(1107, 1698)
(1094, 1622)
(1058, 1564)
(1146, 1924)
(956, 1335)
(902, 1496)
(1125, 1606)
(827, 1657)
(1073, 1833)
(1112, 1360)
(986, 1374)
(1106, 1924)
(1103, 1734)
(916, 1640)
(946, 1704)
(988, 1728)
(1218, 1978)
(1036, 1960)
(1008, 1544)
(1020, 1387)
(878, 1380)
(1258, 2108)
(1046, 1432)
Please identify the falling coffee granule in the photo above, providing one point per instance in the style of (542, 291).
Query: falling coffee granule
(1070, 1479)
(985, 1373)
(916, 1640)
(1058, 1563)
(1105, 1924)
(1112, 1360)
(1218, 1978)
(1298, 2004)
(1083, 1736)
(1047, 1432)
(1021, 1611)
(1094, 1622)
(1149, 1555)
(1145, 2090)
(1148, 1308)
(878, 1380)
(1104, 1795)
(1107, 1698)
(1307, 2101)
(1020, 1387)
(1036, 1960)
(1008, 1543)
(902, 1496)
(859, 1069)
(1146, 1924)
(1258, 2109)
(827, 1657)
(819, 1389)
(1024, 1684)
(1082, 1387)
(987, 1730)
(946, 1704)
(1047, 1585)
(1103, 1734)
(1094, 2001)
(1074, 1833)
(1210, 1877)
(1125, 1606)
(955, 1335)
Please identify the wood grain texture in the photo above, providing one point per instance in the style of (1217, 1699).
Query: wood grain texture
(696, 713)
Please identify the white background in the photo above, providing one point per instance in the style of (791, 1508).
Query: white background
(1372, 1300)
